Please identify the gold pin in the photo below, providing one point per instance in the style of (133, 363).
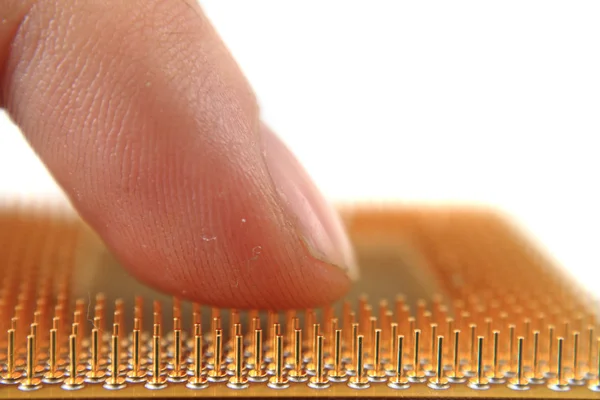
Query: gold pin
(399, 305)
(366, 319)
(590, 356)
(139, 310)
(197, 331)
(362, 305)
(412, 325)
(472, 369)
(119, 313)
(137, 374)
(359, 380)
(576, 377)
(54, 375)
(176, 308)
(309, 320)
(510, 365)
(278, 381)
(327, 317)
(425, 326)
(297, 373)
(566, 332)
(236, 330)
(416, 375)
(595, 385)
(455, 376)
(350, 368)
(320, 380)
(519, 382)
(289, 348)
(217, 374)
(100, 299)
(496, 375)
(559, 384)
(311, 367)
(198, 380)
(251, 336)
(196, 314)
(399, 381)
(535, 377)
(550, 373)
(99, 321)
(526, 334)
(271, 355)
(239, 380)
(420, 313)
(430, 370)
(439, 382)
(255, 318)
(157, 312)
(383, 312)
(115, 381)
(479, 382)
(157, 318)
(95, 375)
(34, 332)
(349, 319)
(233, 320)
(390, 367)
(346, 318)
(156, 381)
(489, 334)
(449, 328)
(234, 327)
(78, 320)
(37, 320)
(293, 325)
(177, 373)
(377, 374)
(60, 361)
(75, 332)
(370, 339)
(99, 313)
(11, 376)
(337, 374)
(272, 322)
(73, 382)
(17, 326)
(30, 383)
(331, 348)
(116, 325)
(257, 373)
(215, 324)
(274, 331)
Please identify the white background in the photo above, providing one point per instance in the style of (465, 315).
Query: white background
(482, 102)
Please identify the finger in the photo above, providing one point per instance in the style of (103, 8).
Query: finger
(145, 120)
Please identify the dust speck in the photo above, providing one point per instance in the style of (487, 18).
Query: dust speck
(255, 253)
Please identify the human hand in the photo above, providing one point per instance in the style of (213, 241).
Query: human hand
(147, 123)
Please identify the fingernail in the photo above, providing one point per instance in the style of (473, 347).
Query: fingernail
(320, 225)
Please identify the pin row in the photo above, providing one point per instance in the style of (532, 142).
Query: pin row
(205, 359)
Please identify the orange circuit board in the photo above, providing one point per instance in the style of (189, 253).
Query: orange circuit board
(452, 303)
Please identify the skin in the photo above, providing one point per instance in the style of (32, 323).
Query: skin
(146, 121)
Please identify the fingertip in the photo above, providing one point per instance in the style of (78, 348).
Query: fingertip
(180, 180)
(318, 223)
